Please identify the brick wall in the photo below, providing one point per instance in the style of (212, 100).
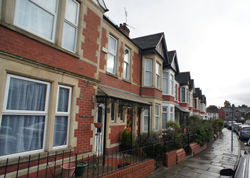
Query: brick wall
(121, 59)
(222, 114)
(144, 169)
(103, 43)
(136, 68)
(151, 92)
(18, 44)
(196, 148)
(170, 158)
(168, 98)
(116, 133)
(180, 155)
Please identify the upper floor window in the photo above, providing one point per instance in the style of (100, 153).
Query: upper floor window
(187, 96)
(164, 116)
(183, 94)
(126, 66)
(112, 55)
(70, 25)
(157, 116)
(196, 103)
(158, 75)
(172, 84)
(165, 82)
(40, 17)
(176, 92)
(148, 72)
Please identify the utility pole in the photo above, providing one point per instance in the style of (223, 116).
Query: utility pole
(232, 140)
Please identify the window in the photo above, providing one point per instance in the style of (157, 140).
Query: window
(24, 115)
(112, 55)
(182, 94)
(164, 116)
(121, 112)
(148, 72)
(40, 18)
(145, 120)
(157, 116)
(165, 82)
(195, 103)
(172, 113)
(172, 84)
(187, 95)
(176, 92)
(126, 66)
(62, 116)
(112, 112)
(158, 76)
(37, 16)
(70, 25)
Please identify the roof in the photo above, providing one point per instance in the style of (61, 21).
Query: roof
(184, 78)
(203, 99)
(172, 62)
(197, 93)
(240, 109)
(213, 110)
(149, 41)
(121, 94)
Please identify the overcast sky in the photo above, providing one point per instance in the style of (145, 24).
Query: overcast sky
(211, 38)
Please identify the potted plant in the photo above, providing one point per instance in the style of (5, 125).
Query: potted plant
(81, 165)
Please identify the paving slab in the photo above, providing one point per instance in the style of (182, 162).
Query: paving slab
(209, 162)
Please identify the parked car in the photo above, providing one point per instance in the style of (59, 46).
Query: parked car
(230, 123)
(244, 132)
(225, 123)
(239, 128)
(247, 122)
(235, 126)
(242, 169)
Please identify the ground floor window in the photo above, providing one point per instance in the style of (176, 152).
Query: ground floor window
(145, 119)
(164, 116)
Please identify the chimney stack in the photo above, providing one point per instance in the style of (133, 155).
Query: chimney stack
(123, 27)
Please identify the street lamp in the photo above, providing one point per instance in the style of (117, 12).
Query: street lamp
(232, 127)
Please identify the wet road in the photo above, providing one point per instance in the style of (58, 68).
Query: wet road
(208, 163)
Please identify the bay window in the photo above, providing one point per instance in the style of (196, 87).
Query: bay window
(164, 116)
(183, 94)
(70, 25)
(157, 116)
(24, 115)
(126, 66)
(145, 119)
(158, 76)
(148, 72)
(172, 84)
(165, 82)
(111, 63)
(172, 113)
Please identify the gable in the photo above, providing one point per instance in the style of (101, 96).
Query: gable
(173, 65)
(160, 49)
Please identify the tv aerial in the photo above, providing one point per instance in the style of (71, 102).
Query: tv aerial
(126, 15)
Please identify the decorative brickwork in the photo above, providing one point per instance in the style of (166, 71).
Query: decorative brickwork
(180, 155)
(170, 159)
(196, 148)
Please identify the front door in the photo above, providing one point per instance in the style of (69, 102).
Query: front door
(99, 131)
(129, 119)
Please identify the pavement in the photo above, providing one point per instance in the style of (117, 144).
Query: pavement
(208, 163)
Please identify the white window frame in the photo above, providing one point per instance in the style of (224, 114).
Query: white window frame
(114, 112)
(64, 113)
(126, 63)
(158, 75)
(171, 84)
(148, 71)
(171, 113)
(182, 94)
(113, 55)
(146, 116)
(26, 112)
(164, 112)
(43, 8)
(165, 78)
(157, 117)
(75, 25)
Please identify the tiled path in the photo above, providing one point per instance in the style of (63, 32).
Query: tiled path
(208, 163)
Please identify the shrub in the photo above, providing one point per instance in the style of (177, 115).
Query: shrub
(144, 140)
(172, 129)
(218, 125)
(124, 137)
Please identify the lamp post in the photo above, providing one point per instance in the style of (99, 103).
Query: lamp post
(232, 127)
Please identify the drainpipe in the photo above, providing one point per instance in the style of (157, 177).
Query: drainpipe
(104, 135)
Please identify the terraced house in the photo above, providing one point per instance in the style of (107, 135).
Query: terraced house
(65, 66)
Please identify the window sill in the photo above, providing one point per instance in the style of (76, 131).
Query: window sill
(112, 75)
(39, 39)
(126, 80)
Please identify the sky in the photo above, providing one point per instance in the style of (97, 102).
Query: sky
(211, 38)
